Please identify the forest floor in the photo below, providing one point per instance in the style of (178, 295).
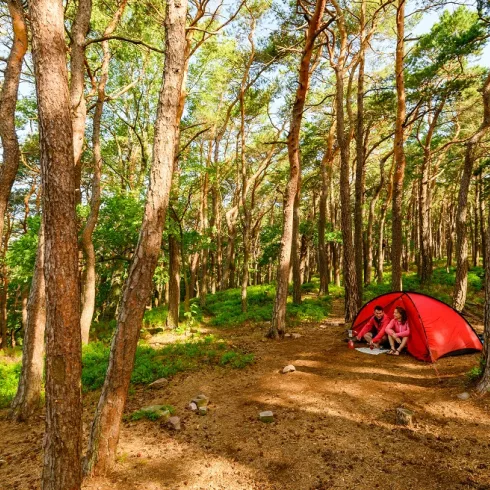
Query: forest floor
(334, 423)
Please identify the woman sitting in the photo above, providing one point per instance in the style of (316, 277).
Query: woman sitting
(398, 331)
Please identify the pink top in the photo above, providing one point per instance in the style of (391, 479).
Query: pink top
(398, 328)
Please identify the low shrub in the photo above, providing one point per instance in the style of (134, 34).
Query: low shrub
(9, 379)
(151, 364)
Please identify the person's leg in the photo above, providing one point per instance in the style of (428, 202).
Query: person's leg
(391, 340)
(403, 344)
(368, 337)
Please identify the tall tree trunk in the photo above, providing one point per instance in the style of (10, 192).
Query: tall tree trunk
(424, 201)
(460, 287)
(89, 275)
(279, 311)
(360, 161)
(203, 283)
(398, 178)
(369, 231)
(484, 383)
(348, 266)
(107, 421)
(62, 443)
(229, 269)
(173, 282)
(323, 252)
(8, 102)
(28, 397)
(77, 84)
(295, 250)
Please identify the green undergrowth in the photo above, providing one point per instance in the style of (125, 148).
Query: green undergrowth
(225, 307)
(151, 364)
(149, 415)
(440, 287)
(9, 379)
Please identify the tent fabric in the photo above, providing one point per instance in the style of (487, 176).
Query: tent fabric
(436, 329)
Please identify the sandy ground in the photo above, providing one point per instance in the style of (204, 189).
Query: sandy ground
(334, 424)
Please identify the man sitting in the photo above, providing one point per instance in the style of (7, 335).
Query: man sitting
(374, 330)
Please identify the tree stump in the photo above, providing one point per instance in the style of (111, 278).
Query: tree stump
(404, 417)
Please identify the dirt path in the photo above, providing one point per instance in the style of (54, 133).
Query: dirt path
(334, 425)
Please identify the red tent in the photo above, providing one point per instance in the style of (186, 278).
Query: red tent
(436, 329)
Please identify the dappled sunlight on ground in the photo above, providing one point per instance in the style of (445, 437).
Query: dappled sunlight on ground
(334, 424)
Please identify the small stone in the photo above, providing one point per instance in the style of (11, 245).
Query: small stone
(287, 335)
(404, 416)
(464, 396)
(288, 369)
(296, 335)
(159, 383)
(266, 416)
(203, 410)
(174, 423)
(2, 462)
(193, 406)
(159, 411)
(323, 326)
(201, 400)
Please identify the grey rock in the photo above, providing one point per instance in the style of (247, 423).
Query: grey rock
(201, 400)
(193, 406)
(159, 383)
(287, 335)
(174, 423)
(296, 335)
(404, 416)
(160, 411)
(266, 416)
(464, 396)
(288, 369)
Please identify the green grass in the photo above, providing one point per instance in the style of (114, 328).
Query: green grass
(144, 414)
(225, 307)
(9, 379)
(151, 364)
(441, 286)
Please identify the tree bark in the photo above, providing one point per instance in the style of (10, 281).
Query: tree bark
(295, 250)
(279, 311)
(28, 397)
(398, 178)
(89, 275)
(107, 421)
(8, 102)
(484, 383)
(77, 84)
(62, 443)
(323, 252)
(173, 282)
(360, 161)
(460, 287)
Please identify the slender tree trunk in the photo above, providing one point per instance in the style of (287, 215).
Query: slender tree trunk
(28, 397)
(323, 254)
(369, 231)
(89, 275)
(107, 421)
(279, 311)
(295, 251)
(173, 282)
(460, 287)
(398, 178)
(360, 162)
(484, 383)
(8, 101)
(62, 443)
(77, 84)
